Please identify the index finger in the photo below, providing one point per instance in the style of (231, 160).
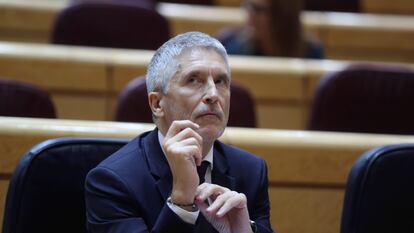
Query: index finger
(179, 125)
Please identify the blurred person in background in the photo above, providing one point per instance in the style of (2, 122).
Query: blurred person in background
(273, 28)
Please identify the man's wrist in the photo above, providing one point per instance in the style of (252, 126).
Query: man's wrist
(179, 196)
(192, 207)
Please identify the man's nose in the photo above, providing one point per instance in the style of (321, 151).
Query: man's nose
(211, 93)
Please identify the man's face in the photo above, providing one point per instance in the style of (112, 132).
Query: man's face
(199, 91)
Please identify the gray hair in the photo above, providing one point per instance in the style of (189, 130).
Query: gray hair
(164, 64)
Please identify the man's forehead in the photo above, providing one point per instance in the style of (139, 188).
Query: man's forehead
(196, 50)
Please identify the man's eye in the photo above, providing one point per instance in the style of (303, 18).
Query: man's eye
(192, 80)
(221, 81)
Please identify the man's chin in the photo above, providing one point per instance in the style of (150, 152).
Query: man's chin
(210, 132)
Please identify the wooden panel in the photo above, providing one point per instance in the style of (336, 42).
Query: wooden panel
(17, 135)
(54, 75)
(392, 41)
(298, 210)
(54, 67)
(325, 166)
(14, 145)
(307, 170)
(128, 66)
(211, 20)
(388, 7)
(297, 155)
(79, 106)
(26, 21)
(278, 115)
(272, 78)
(3, 190)
(39, 15)
(370, 6)
(227, 2)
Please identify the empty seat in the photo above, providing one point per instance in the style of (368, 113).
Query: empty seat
(111, 23)
(46, 191)
(20, 99)
(365, 98)
(379, 194)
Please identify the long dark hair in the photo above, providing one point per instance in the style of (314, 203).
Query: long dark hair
(287, 27)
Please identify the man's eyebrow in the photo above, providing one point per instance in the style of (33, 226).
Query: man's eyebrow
(191, 72)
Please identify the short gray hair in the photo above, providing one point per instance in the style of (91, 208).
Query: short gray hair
(163, 64)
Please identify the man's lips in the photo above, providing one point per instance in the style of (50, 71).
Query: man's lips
(210, 114)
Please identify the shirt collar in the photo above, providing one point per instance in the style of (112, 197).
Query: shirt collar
(208, 157)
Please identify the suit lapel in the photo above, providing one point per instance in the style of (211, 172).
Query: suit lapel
(157, 163)
(220, 171)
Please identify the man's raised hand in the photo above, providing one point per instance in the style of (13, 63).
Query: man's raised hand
(183, 148)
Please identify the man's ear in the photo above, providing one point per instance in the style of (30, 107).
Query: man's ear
(154, 100)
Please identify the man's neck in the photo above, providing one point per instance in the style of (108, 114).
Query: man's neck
(206, 148)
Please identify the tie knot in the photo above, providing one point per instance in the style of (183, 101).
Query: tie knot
(201, 170)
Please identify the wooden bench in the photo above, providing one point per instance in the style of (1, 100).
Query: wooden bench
(374, 37)
(368, 6)
(388, 7)
(307, 170)
(84, 82)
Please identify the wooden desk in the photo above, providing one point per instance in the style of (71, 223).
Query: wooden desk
(84, 82)
(374, 37)
(307, 170)
(388, 7)
(344, 35)
(368, 6)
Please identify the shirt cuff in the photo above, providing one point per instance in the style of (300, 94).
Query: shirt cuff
(186, 216)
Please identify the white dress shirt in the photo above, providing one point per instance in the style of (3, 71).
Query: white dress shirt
(187, 216)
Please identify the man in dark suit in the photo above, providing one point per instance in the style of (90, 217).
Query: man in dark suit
(179, 178)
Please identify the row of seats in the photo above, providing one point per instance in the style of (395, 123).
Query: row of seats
(361, 98)
(75, 26)
(378, 194)
(25, 100)
(374, 37)
(305, 168)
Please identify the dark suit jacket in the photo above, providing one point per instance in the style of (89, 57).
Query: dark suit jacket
(127, 192)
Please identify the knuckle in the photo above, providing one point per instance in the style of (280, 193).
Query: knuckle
(188, 131)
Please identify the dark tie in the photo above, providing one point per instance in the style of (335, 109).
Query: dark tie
(201, 170)
(203, 226)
